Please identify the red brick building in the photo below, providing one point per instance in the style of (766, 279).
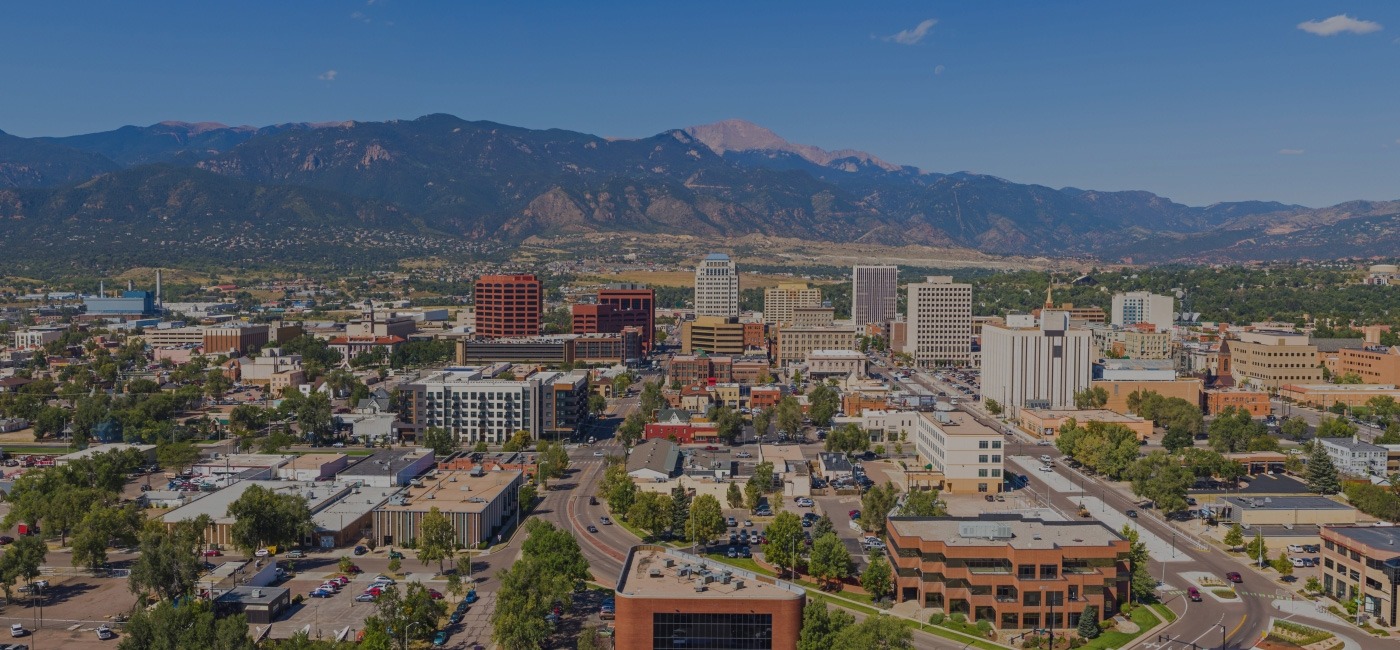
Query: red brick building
(508, 306)
(619, 307)
(666, 598)
(1015, 573)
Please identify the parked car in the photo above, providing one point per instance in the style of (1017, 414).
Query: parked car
(213, 552)
(1298, 562)
(104, 633)
(320, 592)
(854, 514)
(1045, 468)
(262, 552)
(361, 550)
(373, 592)
(6, 539)
(297, 554)
(395, 555)
(440, 639)
(731, 522)
(434, 594)
(17, 630)
(733, 552)
(1296, 548)
(366, 597)
(1194, 594)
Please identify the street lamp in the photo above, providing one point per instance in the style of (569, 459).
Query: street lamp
(406, 630)
(1222, 636)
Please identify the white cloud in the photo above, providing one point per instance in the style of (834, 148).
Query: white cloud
(1290, 152)
(938, 70)
(912, 36)
(1339, 24)
(360, 16)
(328, 75)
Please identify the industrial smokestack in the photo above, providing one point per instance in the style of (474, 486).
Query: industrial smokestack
(130, 285)
(160, 297)
(101, 288)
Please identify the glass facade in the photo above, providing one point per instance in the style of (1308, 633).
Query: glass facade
(712, 631)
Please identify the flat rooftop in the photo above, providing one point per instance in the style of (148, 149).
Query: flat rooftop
(247, 460)
(361, 501)
(313, 461)
(959, 424)
(102, 449)
(1285, 503)
(646, 575)
(1088, 415)
(252, 595)
(388, 462)
(1373, 536)
(1024, 533)
(318, 495)
(453, 492)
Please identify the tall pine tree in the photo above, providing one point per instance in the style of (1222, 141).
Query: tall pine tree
(1322, 474)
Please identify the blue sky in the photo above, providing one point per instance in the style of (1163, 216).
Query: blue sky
(1197, 101)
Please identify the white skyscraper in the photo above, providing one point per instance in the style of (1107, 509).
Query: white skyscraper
(1025, 364)
(716, 287)
(1143, 307)
(874, 294)
(940, 322)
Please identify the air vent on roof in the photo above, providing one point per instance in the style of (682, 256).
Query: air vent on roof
(984, 530)
(699, 585)
(738, 584)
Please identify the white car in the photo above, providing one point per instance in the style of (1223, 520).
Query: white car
(262, 552)
(104, 633)
(17, 630)
(1045, 468)
(1297, 562)
(1295, 548)
(597, 453)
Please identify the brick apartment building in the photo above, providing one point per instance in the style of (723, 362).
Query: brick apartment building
(619, 307)
(508, 306)
(1015, 573)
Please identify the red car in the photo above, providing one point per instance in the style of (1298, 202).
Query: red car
(355, 568)
(711, 448)
(1234, 577)
(374, 591)
(434, 594)
(341, 580)
(213, 552)
(1194, 594)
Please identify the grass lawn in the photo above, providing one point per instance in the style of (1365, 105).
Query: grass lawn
(1142, 616)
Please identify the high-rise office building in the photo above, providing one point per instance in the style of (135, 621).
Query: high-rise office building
(780, 301)
(1036, 365)
(1136, 307)
(619, 306)
(716, 287)
(874, 294)
(940, 322)
(508, 306)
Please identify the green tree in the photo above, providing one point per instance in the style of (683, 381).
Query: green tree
(176, 456)
(650, 512)
(1090, 398)
(1162, 479)
(167, 563)
(22, 560)
(631, 429)
(822, 403)
(788, 414)
(734, 496)
(821, 625)
(993, 407)
(847, 438)
(1322, 474)
(830, 561)
(597, 404)
(923, 503)
(878, 631)
(1283, 565)
(528, 494)
(264, 518)
(439, 440)
(519, 441)
(1335, 428)
(168, 627)
(1142, 584)
(1294, 428)
(875, 505)
(759, 484)
(1313, 585)
(1234, 537)
(706, 520)
(1257, 549)
(784, 540)
(878, 579)
(651, 400)
(1233, 429)
(395, 564)
(762, 422)
(1089, 623)
(553, 461)
(437, 541)
(618, 490)
(823, 526)
(102, 526)
(728, 423)
(414, 613)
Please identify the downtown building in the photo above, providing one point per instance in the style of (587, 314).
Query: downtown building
(717, 287)
(780, 302)
(939, 330)
(1037, 365)
(508, 306)
(874, 294)
(619, 307)
(1136, 307)
(475, 406)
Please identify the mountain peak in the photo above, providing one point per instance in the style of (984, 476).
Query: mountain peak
(742, 135)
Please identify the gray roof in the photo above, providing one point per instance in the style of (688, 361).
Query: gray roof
(1373, 536)
(1285, 503)
(661, 456)
(388, 462)
(835, 462)
(1138, 364)
(1353, 444)
(244, 595)
(1333, 345)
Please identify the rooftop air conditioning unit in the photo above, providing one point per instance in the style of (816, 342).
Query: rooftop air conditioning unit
(738, 584)
(699, 586)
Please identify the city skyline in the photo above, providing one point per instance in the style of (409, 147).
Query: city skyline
(1286, 104)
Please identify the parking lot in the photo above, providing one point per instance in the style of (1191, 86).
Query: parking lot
(70, 611)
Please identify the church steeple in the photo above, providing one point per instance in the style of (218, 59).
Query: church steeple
(1049, 303)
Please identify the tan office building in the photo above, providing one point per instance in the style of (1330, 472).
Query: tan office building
(716, 335)
(794, 343)
(1272, 359)
(940, 322)
(780, 301)
(1375, 364)
(964, 455)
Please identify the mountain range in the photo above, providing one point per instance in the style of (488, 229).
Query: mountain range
(442, 178)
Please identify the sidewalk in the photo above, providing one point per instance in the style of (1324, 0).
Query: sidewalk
(1316, 611)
